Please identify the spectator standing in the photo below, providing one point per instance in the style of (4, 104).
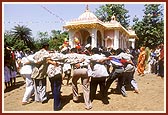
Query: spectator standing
(161, 61)
(141, 61)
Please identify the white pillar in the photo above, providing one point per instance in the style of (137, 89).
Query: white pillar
(132, 43)
(116, 39)
(71, 42)
(94, 38)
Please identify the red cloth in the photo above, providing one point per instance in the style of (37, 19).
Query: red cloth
(13, 55)
(123, 61)
(162, 54)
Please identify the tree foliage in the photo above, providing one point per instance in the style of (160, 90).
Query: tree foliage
(22, 33)
(42, 37)
(57, 39)
(19, 39)
(16, 44)
(105, 12)
(151, 29)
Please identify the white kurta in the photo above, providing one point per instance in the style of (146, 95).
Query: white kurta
(26, 71)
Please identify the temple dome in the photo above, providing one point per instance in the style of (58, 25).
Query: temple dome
(85, 20)
(87, 15)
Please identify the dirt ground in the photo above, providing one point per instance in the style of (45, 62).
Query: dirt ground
(150, 99)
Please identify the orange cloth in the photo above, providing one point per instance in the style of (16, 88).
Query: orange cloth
(141, 61)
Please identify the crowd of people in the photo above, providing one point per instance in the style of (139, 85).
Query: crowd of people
(95, 66)
(151, 61)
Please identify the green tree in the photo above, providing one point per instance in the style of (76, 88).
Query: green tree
(41, 38)
(57, 39)
(105, 12)
(8, 38)
(16, 44)
(22, 33)
(150, 30)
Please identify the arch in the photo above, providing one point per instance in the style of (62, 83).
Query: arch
(77, 34)
(83, 35)
(99, 39)
(89, 40)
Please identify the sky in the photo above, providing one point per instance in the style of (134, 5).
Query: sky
(45, 17)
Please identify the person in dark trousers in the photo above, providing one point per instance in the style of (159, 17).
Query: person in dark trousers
(99, 75)
(161, 61)
(54, 73)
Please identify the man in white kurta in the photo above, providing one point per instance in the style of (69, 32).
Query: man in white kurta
(26, 71)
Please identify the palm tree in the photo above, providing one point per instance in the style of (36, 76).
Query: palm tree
(24, 34)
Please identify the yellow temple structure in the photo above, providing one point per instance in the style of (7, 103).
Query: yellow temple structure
(89, 29)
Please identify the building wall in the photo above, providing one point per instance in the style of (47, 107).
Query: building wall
(109, 33)
(113, 38)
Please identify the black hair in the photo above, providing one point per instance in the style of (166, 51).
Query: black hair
(74, 50)
(95, 51)
(45, 44)
(119, 50)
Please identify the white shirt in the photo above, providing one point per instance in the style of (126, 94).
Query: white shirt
(55, 70)
(99, 70)
(125, 56)
(26, 69)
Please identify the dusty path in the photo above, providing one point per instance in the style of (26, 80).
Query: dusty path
(150, 99)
